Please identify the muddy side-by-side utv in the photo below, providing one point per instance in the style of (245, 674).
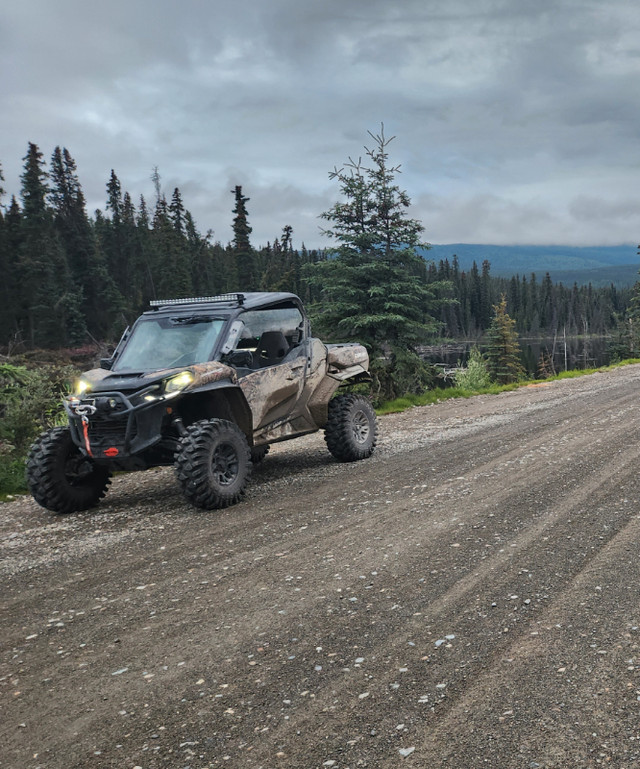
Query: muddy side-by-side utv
(204, 384)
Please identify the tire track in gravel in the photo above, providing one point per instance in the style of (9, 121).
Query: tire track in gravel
(587, 493)
(545, 511)
(450, 599)
(600, 699)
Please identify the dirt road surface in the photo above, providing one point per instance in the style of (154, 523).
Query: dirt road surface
(468, 597)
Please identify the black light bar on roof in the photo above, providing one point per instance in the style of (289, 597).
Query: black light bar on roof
(239, 298)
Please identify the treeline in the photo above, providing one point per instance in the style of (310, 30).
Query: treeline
(539, 307)
(68, 278)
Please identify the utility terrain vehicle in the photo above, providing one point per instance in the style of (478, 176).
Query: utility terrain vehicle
(205, 384)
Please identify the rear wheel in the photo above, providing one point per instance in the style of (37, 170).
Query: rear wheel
(60, 477)
(213, 464)
(351, 432)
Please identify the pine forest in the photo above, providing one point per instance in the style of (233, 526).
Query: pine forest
(71, 278)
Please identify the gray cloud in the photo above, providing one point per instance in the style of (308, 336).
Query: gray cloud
(515, 122)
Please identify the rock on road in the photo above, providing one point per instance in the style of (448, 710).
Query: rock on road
(468, 597)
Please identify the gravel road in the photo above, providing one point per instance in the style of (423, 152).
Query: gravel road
(468, 597)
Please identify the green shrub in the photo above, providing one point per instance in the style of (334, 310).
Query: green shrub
(30, 402)
(476, 375)
(402, 373)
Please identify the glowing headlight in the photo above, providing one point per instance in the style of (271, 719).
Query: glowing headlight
(80, 387)
(177, 383)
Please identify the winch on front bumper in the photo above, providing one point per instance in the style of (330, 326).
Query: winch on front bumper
(109, 427)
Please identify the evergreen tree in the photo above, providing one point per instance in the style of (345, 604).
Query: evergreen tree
(10, 296)
(625, 342)
(113, 236)
(92, 299)
(634, 304)
(42, 267)
(243, 252)
(143, 233)
(199, 258)
(503, 350)
(171, 270)
(177, 212)
(374, 288)
(6, 294)
(121, 244)
(485, 296)
(281, 264)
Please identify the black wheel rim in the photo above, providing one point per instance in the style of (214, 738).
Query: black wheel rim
(225, 464)
(360, 427)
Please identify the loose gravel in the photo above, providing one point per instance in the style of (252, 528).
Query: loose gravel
(465, 598)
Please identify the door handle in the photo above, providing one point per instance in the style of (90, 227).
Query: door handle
(293, 373)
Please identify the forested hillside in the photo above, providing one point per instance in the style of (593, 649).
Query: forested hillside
(539, 306)
(71, 278)
(578, 261)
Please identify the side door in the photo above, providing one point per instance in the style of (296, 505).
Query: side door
(274, 380)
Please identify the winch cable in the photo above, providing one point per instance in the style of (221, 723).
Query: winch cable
(85, 432)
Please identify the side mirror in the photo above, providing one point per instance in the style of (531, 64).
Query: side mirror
(106, 363)
(242, 358)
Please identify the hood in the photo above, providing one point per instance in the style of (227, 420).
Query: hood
(101, 380)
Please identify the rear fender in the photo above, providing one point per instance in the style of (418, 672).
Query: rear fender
(346, 361)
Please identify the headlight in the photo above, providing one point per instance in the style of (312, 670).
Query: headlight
(148, 395)
(80, 387)
(177, 383)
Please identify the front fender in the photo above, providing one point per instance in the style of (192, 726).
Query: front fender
(217, 399)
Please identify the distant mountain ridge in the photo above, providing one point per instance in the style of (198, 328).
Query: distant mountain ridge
(599, 265)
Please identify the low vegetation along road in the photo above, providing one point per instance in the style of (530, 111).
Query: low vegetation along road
(468, 597)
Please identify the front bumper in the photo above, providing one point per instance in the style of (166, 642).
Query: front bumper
(108, 426)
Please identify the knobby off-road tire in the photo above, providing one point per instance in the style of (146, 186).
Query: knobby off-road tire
(258, 453)
(351, 432)
(213, 464)
(60, 477)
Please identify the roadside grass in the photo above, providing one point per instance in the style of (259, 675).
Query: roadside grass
(436, 396)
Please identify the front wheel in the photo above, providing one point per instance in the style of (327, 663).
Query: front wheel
(351, 432)
(213, 464)
(60, 477)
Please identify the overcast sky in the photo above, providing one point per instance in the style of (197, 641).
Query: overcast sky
(516, 121)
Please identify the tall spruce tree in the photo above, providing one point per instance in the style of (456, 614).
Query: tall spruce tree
(201, 258)
(172, 271)
(145, 245)
(503, 351)
(120, 243)
(10, 329)
(46, 314)
(92, 298)
(243, 252)
(374, 287)
(6, 298)
(113, 235)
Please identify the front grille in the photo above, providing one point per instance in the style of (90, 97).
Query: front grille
(112, 431)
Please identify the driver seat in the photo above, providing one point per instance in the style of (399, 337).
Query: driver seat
(271, 350)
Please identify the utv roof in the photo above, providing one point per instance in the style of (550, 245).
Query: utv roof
(247, 300)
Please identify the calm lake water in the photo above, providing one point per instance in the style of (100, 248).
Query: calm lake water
(581, 352)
